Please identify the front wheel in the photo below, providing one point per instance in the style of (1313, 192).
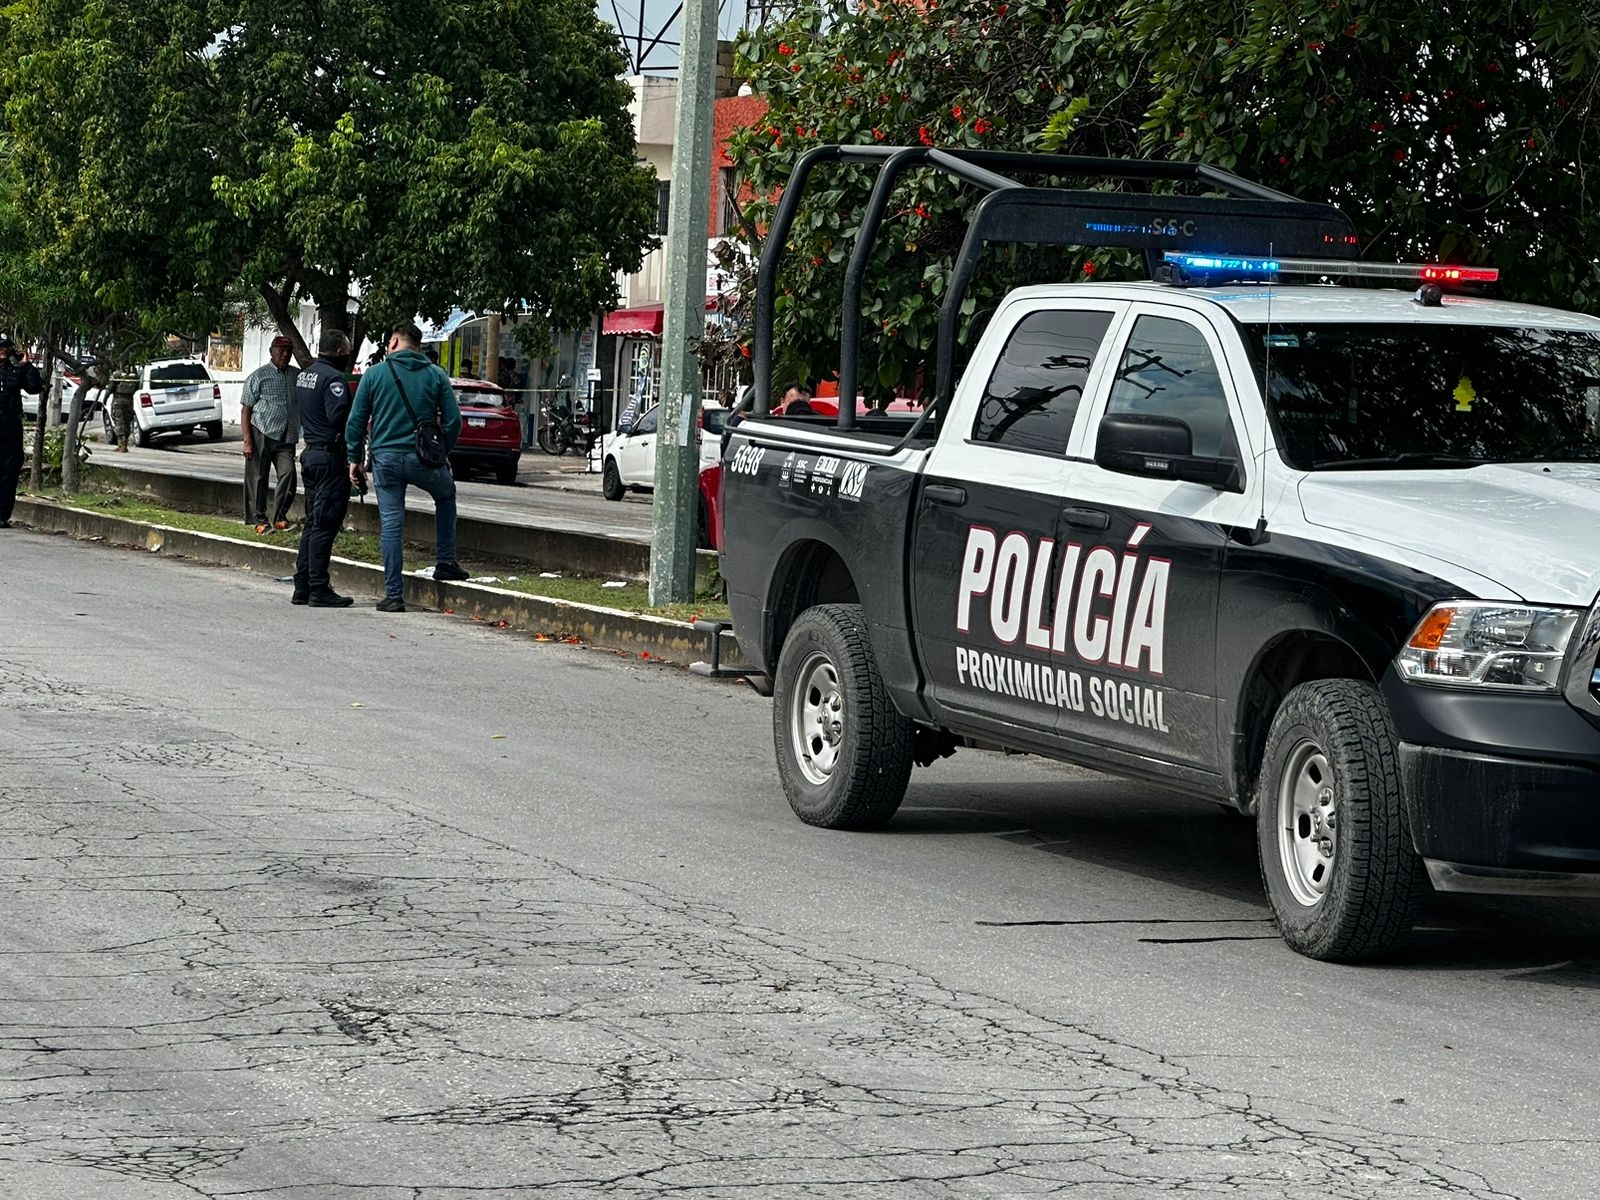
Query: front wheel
(844, 750)
(611, 481)
(1336, 856)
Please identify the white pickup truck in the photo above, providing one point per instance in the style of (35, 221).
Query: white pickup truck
(1329, 554)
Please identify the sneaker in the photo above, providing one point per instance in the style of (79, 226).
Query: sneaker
(449, 572)
(328, 598)
(262, 527)
(280, 524)
(391, 604)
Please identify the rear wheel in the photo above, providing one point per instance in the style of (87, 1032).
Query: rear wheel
(844, 751)
(213, 431)
(1336, 855)
(505, 472)
(141, 436)
(109, 426)
(547, 439)
(611, 481)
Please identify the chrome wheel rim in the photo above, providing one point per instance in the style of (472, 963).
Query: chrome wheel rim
(1308, 843)
(816, 719)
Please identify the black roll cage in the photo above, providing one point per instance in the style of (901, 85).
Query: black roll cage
(1249, 219)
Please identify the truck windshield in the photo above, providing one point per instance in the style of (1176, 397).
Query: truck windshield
(1349, 397)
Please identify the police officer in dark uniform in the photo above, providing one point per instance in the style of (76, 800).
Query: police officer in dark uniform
(324, 398)
(17, 375)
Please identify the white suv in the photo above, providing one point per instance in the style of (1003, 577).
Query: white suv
(175, 395)
(630, 454)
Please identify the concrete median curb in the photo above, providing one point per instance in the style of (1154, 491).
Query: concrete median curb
(611, 629)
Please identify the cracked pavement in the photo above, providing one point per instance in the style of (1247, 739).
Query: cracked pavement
(327, 905)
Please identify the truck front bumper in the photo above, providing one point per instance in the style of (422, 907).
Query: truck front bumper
(1502, 791)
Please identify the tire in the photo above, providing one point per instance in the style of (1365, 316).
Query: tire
(109, 427)
(702, 525)
(213, 431)
(844, 750)
(505, 473)
(611, 481)
(1336, 854)
(142, 437)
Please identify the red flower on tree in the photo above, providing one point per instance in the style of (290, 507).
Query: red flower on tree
(785, 49)
(922, 133)
(956, 112)
(981, 126)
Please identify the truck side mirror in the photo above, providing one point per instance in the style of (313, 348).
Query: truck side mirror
(1160, 448)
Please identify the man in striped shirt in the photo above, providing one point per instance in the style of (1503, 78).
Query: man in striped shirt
(269, 419)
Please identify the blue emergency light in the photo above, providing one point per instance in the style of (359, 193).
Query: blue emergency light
(1183, 267)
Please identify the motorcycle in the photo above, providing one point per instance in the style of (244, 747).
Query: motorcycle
(564, 429)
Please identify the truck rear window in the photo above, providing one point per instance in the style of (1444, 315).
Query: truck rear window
(1032, 397)
(1371, 396)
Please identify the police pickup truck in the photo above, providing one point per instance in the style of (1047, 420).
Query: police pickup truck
(1325, 553)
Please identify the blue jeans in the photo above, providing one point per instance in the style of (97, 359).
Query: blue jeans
(391, 472)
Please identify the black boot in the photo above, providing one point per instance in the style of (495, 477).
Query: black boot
(302, 591)
(326, 597)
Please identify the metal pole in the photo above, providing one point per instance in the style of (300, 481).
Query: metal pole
(672, 553)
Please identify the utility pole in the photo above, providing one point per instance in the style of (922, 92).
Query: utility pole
(672, 553)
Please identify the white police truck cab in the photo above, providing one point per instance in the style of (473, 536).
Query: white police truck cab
(1325, 553)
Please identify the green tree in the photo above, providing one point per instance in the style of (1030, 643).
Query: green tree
(1445, 130)
(403, 156)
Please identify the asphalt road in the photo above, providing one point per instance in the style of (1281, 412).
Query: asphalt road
(318, 905)
(551, 492)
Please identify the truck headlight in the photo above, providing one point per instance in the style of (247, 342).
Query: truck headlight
(1489, 644)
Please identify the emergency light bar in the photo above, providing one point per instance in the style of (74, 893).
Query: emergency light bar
(1182, 267)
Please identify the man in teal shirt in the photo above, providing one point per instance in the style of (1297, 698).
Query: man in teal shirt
(394, 396)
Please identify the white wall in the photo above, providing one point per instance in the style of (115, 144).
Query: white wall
(257, 342)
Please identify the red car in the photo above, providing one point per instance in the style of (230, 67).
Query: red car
(491, 432)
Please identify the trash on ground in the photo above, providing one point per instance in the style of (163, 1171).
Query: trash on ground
(615, 583)
(549, 575)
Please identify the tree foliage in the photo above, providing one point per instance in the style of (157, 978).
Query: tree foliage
(1449, 129)
(405, 155)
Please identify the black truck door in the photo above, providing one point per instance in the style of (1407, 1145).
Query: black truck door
(985, 564)
(1148, 554)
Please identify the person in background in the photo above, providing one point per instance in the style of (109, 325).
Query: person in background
(406, 389)
(269, 419)
(324, 400)
(17, 375)
(796, 400)
(124, 384)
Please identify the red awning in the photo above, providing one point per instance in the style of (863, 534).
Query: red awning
(644, 319)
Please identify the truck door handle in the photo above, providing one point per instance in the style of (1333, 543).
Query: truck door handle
(1086, 518)
(944, 493)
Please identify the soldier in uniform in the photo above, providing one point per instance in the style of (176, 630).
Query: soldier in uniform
(124, 383)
